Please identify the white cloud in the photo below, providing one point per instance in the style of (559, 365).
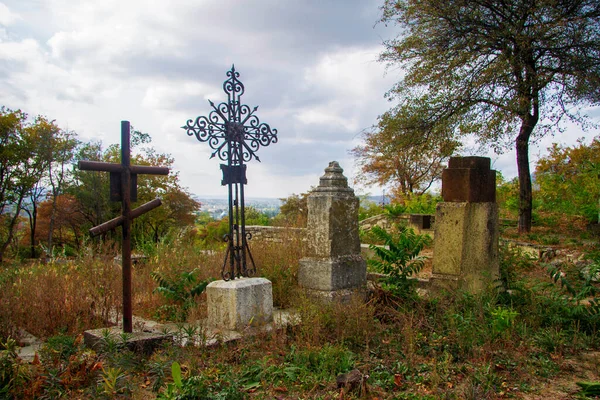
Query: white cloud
(166, 95)
(351, 72)
(328, 115)
(7, 17)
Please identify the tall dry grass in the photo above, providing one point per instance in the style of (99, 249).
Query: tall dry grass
(68, 296)
(278, 262)
(62, 296)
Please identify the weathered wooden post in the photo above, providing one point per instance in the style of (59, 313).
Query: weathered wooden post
(123, 187)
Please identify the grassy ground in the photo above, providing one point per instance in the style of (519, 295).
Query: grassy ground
(532, 341)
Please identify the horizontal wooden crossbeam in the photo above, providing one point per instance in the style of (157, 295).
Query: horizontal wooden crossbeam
(115, 222)
(110, 167)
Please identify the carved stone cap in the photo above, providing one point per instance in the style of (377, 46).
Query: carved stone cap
(333, 180)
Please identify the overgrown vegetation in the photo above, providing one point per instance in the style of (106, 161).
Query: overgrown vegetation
(505, 342)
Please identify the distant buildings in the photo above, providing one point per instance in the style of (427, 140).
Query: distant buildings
(219, 208)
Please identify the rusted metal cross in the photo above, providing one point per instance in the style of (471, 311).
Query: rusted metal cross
(123, 187)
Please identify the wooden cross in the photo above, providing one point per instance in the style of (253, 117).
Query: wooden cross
(123, 187)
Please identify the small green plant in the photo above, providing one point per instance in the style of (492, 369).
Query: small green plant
(503, 319)
(513, 260)
(398, 258)
(114, 383)
(579, 286)
(58, 348)
(394, 210)
(182, 291)
(173, 390)
(303, 367)
(591, 389)
(109, 343)
(199, 387)
(13, 374)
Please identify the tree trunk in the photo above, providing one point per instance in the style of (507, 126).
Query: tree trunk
(52, 222)
(32, 226)
(11, 228)
(525, 196)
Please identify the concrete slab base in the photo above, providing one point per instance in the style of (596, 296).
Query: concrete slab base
(139, 342)
(236, 304)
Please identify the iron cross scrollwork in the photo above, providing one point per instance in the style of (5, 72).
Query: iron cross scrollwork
(235, 133)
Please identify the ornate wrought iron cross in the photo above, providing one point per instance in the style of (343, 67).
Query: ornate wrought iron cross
(235, 133)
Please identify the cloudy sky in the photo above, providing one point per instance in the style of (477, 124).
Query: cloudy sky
(310, 65)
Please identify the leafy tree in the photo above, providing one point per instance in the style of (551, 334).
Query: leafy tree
(255, 217)
(507, 196)
(293, 211)
(69, 223)
(90, 189)
(62, 147)
(23, 159)
(403, 152)
(213, 232)
(496, 69)
(36, 194)
(569, 179)
(179, 208)
(368, 209)
(421, 204)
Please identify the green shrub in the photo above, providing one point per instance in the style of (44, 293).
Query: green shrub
(58, 348)
(399, 258)
(182, 290)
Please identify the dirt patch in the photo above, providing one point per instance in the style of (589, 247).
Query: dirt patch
(583, 367)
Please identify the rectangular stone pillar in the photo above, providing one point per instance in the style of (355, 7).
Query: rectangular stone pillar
(466, 227)
(334, 268)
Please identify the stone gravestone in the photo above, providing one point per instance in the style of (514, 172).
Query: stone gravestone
(334, 268)
(465, 254)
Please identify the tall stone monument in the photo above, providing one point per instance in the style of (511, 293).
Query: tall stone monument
(466, 227)
(334, 268)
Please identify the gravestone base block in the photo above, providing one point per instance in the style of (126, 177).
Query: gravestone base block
(138, 342)
(235, 304)
(466, 246)
(332, 274)
(444, 283)
(343, 296)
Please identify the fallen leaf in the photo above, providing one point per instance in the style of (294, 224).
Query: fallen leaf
(96, 366)
(398, 379)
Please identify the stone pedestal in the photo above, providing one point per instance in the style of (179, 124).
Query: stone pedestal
(235, 304)
(466, 227)
(334, 268)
